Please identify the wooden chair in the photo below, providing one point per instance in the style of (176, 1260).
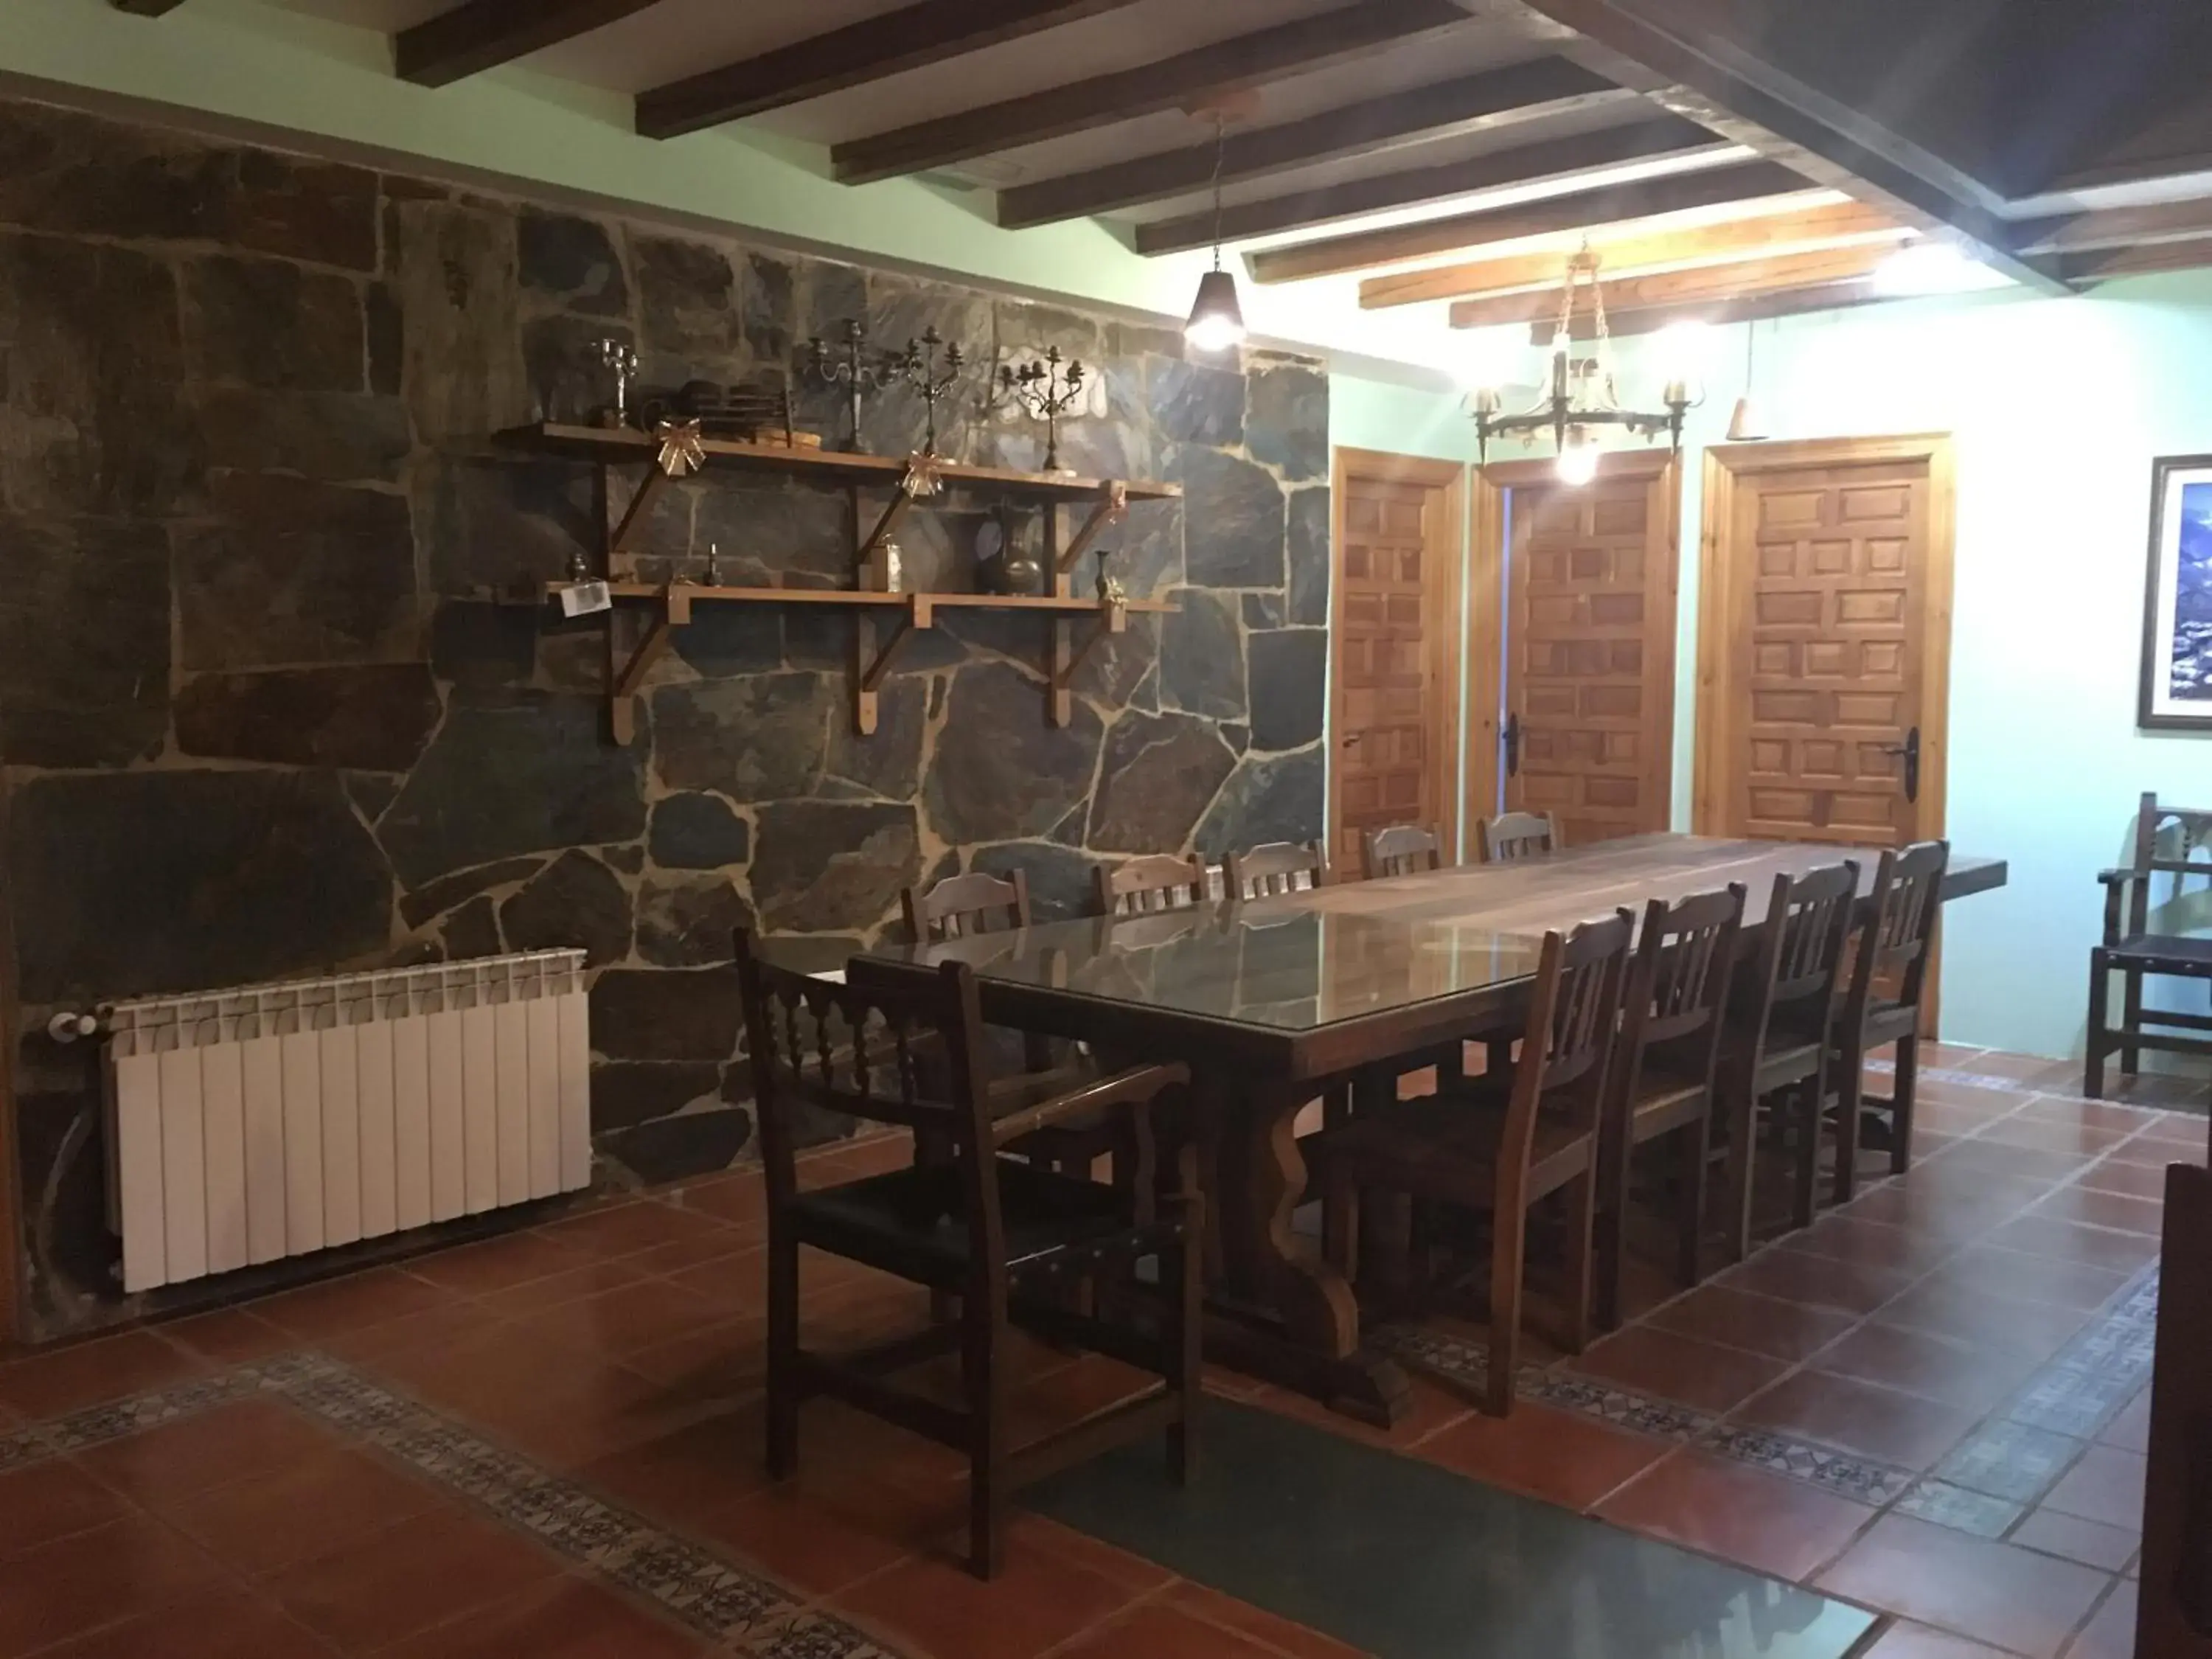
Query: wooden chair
(1007, 1239)
(1498, 1150)
(1276, 867)
(1882, 1005)
(960, 907)
(1144, 886)
(1511, 835)
(2173, 1619)
(1660, 1083)
(2131, 949)
(1776, 1042)
(1404, 849)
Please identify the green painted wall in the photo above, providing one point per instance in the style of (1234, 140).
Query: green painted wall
(2055, 407)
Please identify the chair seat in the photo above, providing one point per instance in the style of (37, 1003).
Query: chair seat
(1780, 1065)
(1887, 1021)
(924, 1210)
(1663, 1105)
(2172, 953)
(1446, 1145)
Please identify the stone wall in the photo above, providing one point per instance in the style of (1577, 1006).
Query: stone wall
(259, 716)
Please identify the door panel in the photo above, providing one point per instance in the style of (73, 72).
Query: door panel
(1823, 638)
(1394, 649)
(1589, 632)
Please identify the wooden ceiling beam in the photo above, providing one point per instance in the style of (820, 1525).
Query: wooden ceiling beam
(1752, 308)
(482, 34)
(1704, 284)
(1550, 216)
(2141, 259)
(1556, 162)
(1838, 224)
(913, 37)
(1192, 77)
(1489, 102)
(1694, 63)
(2120, 227)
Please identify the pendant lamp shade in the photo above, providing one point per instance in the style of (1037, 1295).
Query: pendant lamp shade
(1217, 320)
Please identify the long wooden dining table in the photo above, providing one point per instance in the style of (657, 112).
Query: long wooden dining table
(1271, 1001)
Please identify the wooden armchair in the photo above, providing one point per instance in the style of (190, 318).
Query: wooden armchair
(1883, 1005)
(1276, 867)
(1010, 1240)
(1783, 1009)
(1403, 849)
(1512, 835)
(2131, 949)
(1661, 1082)
(1499, 1148)
(1144, 886)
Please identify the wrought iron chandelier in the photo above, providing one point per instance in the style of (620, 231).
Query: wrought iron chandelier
(1580, 396)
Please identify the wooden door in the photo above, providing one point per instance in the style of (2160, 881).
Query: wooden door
(1587, 635)
(1393, 650)
(1824, 642)
(11, 1237)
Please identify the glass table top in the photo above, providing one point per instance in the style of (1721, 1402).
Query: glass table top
(1281, 968)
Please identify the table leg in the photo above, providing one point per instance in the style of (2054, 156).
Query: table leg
(1310, 1338)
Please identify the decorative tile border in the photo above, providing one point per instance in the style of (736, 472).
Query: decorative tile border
(719, 1599)
(1984, 1486)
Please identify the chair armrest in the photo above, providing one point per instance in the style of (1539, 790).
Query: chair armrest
(2120, 877)
(1136, 1088)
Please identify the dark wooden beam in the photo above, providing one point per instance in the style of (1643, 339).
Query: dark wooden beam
(1208, 72)
(1556, 162)
(2140, 259)
(1479, 103)
(1551, 216)
(2119, 227)
(911, 37)
(1838, 224)
(1754, 308)
(1697, 65)
(482, 34)
(1705, 285)
(146, 8)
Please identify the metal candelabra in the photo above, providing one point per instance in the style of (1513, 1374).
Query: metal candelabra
(933, 368)
(845, 365)
(622, 358)
(1045, 391)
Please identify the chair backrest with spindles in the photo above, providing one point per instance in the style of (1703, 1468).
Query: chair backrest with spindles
(1678, 989)
(1790, 992)
(1511, 835)
(872, 1048)
(1574, 1015)
(1403, 849)
(1277, 867)
(1900, 940)
(1142, 886)
(961, 906)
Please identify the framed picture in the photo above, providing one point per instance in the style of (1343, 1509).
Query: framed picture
(2177, 662)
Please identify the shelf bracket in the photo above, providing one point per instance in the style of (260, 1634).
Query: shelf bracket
(920, 481)
(1067, 657)
(872, 662)
(621, 695)
(1113, 508)
(640, 505)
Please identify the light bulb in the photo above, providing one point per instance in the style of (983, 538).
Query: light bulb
(1577, 462)
(1217, 319)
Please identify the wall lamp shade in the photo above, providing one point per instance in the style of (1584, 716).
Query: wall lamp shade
(1217, 320)
(1749, 423)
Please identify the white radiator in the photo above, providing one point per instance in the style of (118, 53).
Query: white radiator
(272, 1120)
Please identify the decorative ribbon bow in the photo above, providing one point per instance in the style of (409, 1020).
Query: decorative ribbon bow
(683, 450)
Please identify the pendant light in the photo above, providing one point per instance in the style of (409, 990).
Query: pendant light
(1217, 320)
(1747, 424)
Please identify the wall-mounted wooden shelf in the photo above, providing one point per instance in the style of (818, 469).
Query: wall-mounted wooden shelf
(908, 480)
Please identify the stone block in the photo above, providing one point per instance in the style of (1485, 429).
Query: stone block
(1268, 798)
(375, 717)
(698, 832)
(493, 523)
(294, 571)
(570, 262)
(569, 380)
(1002, 772)
(684, 1147)
(887, 762)
(118, 881)
(1309, 532)
(1233, 520)
(1289, 680)
(689, 921)
(1286, 424)
(84, 641)
(341, 437)
(268, 323)
(459, 299)
(626, 1094)
(1159, 775)
(765, 738)
(665, 1014)
(575, 903)
(686, 299)
(436, 896)
(522, 772)
(831, 866)
(1202, 656)
(1195, 404)
(1060, 879)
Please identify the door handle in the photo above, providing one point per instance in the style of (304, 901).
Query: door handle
(1511, 737)
(1910, 749)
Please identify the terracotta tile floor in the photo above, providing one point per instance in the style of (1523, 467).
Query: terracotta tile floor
(1813, 1414)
